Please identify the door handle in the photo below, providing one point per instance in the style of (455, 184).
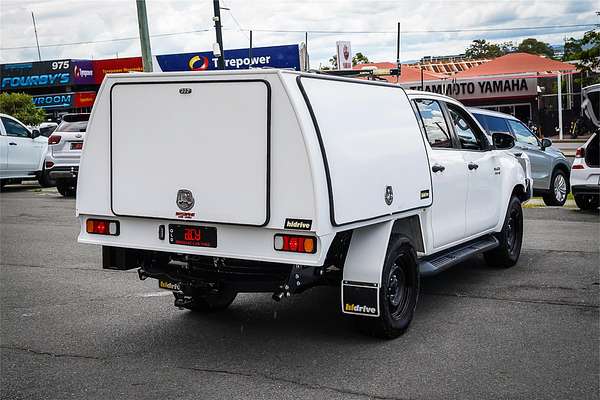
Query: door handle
(438, 168)
(473, 166)
(12, 144)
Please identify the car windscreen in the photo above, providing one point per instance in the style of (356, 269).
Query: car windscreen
(76, 126)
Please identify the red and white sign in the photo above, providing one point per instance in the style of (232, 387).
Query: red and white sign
(83, 99)
(344, 55)
(115, 65)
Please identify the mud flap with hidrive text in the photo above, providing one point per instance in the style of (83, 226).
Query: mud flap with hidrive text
(362, 269)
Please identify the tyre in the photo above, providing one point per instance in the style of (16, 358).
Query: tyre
(511, 238)
(399, 292)
(66, 188)
(206, 303)
(44, 179)
(559, 189)
(587, 201)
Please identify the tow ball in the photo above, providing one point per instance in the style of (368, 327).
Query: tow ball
(301, 278)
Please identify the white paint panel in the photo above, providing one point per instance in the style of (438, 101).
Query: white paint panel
(212, 141)
(372, 140)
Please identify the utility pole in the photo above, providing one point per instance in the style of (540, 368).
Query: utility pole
(250, 51)
(398, 64)
(218, 31)
(36, 37)
(144, 35)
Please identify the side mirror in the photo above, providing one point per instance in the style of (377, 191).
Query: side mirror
(35, 133)
(503, 140)
(546, 143)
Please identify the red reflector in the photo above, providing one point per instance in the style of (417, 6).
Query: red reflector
(579, 153)
(54, 139)
(102, 227)
(49, 164)
(578, 166)
(295, 244)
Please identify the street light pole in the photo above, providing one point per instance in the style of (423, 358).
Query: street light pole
(144, 35)
(219, 33)
(36, 37)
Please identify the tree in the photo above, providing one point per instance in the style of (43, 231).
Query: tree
(480, 48)
(359, 58)
(333, 61)
(20, 106)
(534, 46)
(585, 50)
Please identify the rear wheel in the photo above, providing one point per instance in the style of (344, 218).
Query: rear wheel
(66, 188)
(45, 180)
(559, 189)
(511, 238)
(205, 303)
(398, 294)
(587, 201)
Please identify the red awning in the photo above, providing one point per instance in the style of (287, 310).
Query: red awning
(518, 63)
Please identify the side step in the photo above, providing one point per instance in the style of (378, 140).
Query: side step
(439, 262)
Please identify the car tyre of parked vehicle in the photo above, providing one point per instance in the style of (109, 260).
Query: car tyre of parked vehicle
(559, 189)
(507, 253)
(399, 292)
(66, 188)
(208, 303)
(587, 202)
(44, 179)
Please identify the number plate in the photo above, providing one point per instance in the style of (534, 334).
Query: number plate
(77, 146)
(193, 235)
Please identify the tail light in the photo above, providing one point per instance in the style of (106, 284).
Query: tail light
(295, 244)
(578, 166)
(580, 153)
(49, 164)
(102, 227)
(54, 139)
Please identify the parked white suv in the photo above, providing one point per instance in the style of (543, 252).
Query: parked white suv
(21, 151)
(585, 175)
(64, 152)
(276, 181)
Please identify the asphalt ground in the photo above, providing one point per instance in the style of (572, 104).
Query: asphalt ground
(70, 330)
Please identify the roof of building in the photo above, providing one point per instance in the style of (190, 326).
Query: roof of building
(407, 73)
(517, 63)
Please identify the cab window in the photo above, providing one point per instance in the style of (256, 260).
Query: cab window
(434, 123)
(469, 134)
(13, 128)
(522, 133)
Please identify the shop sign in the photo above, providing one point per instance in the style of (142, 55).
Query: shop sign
(57, 100)
(114, 66)
(84, 99)
(83, 72)
(344, 55)
(478, 89)
(287, 56)
(35, 74)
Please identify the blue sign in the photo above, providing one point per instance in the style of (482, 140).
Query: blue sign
(60, 100)
(272, 57)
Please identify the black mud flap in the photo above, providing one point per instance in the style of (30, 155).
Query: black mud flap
(360, 298)
(119, 258)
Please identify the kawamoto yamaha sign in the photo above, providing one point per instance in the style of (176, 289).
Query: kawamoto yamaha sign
(272, 57)
(35, 74)
(479, 88)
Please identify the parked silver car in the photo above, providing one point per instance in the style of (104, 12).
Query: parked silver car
(549, 166)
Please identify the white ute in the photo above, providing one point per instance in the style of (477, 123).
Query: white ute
(276, 181)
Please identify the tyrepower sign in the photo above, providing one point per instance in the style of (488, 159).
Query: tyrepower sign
(480, 88)
(114, 66)
(272, 57)
(35, 74)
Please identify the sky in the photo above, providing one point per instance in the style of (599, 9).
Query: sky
(61, 22)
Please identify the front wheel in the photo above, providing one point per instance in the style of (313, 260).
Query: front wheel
(44, 180)
(559, 189)
(587, 201)
(511, 238)
(398, 294)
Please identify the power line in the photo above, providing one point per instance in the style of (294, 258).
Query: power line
(324, 32)
(105, 40)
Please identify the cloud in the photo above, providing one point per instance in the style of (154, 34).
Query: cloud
(88, 20)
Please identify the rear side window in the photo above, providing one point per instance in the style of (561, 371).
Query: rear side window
(77, 126)
(434, 123)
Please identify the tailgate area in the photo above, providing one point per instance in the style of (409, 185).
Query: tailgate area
(203, 150)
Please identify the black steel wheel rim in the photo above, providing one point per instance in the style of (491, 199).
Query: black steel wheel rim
(512, 230)
(399, 290)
